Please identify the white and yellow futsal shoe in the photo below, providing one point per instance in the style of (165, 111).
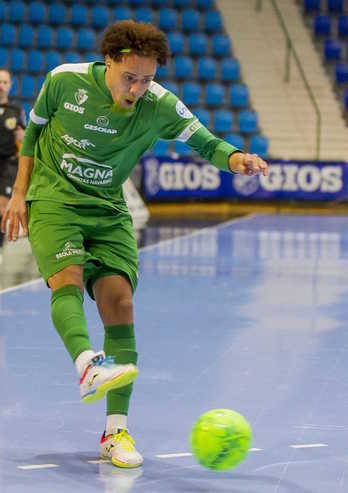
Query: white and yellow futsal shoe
(119, 448)
(103, 374)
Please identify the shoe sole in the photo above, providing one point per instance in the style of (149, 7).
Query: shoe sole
(120, 381)
(123, 465)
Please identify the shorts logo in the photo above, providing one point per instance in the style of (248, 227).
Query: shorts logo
(81, 144)
(74, 108)
(69, 250)
(81, 96)
(86, 171)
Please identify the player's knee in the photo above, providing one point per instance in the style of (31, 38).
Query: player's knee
(124, 306)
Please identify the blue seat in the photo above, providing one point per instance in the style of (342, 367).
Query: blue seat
(8, 34)
(122, 13)
(342, 26)
(162, 72)
(322, 26)
(25, 36)
(239, 96)
(190, 19)
(248, 122)
(37, 13)
(53, 59)
(4, 57)
(86, 39)
(259, 145)
(17, 60)
(40, 81)
(221, 45)
(14, 86)
(35, 62)
(2, 11)
(28, 88)
(214, 94)
(207, 68)
(191, 93)
(56, 13)
(168, 19)
(144, 14)
(182, 4)
(136, 3)
(332, 50)
(27, 108)
(71, 57)
(182, 149)
(230, 70)
(335, 6)
(203, 115)
(224, 120)
(346, 99)
(176, 42)
(342, 73)
(198, 44)
(236, 140)
(78, 15)
(205, 4)
(16, 12)
(159, 3)
(99, 17)
(171, 86)
(161, 148)
(92, 56)
(311, 6)
(65, 37)
(183, 67)
(44, 37)
(212, 21)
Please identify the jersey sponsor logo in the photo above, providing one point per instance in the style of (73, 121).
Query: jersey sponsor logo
(183, 111)
(74, 108)
(69, 250)
(96, 128)
(189, 131)
(81, 144)
(81, 96)
(11, 123)
(86, 171)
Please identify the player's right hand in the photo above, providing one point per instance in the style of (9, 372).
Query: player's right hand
(15, 215)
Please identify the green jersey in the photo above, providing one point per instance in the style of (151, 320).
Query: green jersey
(83, 151)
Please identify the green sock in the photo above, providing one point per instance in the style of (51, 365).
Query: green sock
(119, 342)
(69, 319)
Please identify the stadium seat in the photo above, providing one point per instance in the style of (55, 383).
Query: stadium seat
(44, 37)
(182, 4)
(25, 36)
(230, 70)
(2, 11)
(17, 60)
(8, 34)
(223, 121)
(35, 62)
(27, 108)
(191, 93)
(248, 122)
(311, 6)
(3, 57)
(346, 99)
(159, 3)
(136, 3)
(16, 12)
(71, 57)
(332, 50)
(78, 15)
(37, 13)
(14, 87)
(239, 96)
(342, 73)
(176, 42)
(99, 17)
(342, 26)
(92, 56)
(53, 59)
(171, 86)
(212, 21)
(190, 20)
(221, 45)
(162, 72)
(122, 13)
(28, 87)
(335, 6)
(214, 94)
(322, 26)
(259, 145)
(65, 37)
(40, 81)
(182, 149)
(144, 14)
(207, 68)
(168, 19)
(203, 116)
(198, 44)
(236, 140)
(86, 39)
(183, 67)
(56, 13)
(205, 4)
(161, 148)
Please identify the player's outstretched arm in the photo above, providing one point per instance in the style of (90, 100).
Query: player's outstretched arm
(16, 210)
(247, 164)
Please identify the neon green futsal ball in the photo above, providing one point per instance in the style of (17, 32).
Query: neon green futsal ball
(220, 439)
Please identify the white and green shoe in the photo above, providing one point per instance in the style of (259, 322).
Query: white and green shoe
(119, 448)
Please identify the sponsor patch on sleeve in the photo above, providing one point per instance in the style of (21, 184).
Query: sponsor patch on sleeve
(183, 111)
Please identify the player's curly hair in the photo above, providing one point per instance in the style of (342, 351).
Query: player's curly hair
(141, 38)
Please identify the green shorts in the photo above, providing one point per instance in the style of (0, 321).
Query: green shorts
(101, 240)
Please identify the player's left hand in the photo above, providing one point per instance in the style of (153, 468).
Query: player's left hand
(19, 134)
(247, 164)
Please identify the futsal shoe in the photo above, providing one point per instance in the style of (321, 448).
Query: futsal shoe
(119, 448)
(103, 374)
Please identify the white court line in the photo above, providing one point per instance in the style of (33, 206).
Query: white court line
(99, 461)
(173, 456)
(37, 466)
(310, 445)
(256, 449)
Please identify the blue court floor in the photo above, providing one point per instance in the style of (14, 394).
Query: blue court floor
(249, 315)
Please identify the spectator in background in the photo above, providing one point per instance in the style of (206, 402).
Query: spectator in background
(12, 124)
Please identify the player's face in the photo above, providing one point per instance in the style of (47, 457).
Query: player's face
(5, 83)
(129, 79)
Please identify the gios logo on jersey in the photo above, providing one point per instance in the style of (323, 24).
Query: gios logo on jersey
(86, 171)
(81, 97)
